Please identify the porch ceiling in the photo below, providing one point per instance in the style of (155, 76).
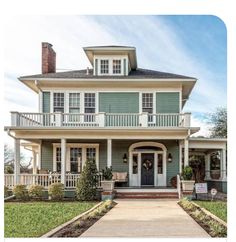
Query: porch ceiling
(91, 133)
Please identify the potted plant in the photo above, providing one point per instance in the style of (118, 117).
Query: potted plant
(187, 182)
(107, 183)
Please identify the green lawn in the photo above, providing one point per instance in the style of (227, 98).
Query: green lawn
(33, 219)
(218, 208)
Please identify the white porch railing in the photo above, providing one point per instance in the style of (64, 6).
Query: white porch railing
(100, 120)
(9, 180)
(40, 179)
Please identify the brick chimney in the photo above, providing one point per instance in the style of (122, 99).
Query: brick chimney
(48, 58)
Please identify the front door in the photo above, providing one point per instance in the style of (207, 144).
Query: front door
(147, 169)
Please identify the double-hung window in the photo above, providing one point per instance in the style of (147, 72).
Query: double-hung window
(104, 66)
(91, 154)
(58, 102)
(58, 159)
(116, 66)
(147, 105)
(75, 160)
(74, 106)
(89, 106)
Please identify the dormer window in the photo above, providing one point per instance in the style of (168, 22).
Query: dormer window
(104, 66)
(116, 66)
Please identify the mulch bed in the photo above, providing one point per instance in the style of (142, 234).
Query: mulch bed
(204, 223)
(80, 226)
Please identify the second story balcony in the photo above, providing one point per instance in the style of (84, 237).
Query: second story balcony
(100, 120)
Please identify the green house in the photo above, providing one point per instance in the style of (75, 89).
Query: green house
(117, 114)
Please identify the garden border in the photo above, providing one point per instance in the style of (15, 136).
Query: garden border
(210, 214)
(58, 228)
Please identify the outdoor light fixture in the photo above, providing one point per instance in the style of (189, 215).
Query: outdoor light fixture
(169, 157)
(125, 158)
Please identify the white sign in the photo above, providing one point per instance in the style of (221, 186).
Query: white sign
(213, 191)
(201, 187)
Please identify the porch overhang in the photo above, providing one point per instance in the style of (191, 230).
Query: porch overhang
(207, 143)
(101, 133)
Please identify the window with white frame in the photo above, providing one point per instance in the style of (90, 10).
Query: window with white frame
(89, 106)
(104, 66)
(75, 160)
(147, 104)
(116, 66)
(74, 102)
(58, 102)
(58, 159)
(91, 154)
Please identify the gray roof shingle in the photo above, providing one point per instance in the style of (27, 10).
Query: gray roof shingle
(134, 74)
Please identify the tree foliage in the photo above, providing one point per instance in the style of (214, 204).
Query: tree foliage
(86, 189)
(219, 121)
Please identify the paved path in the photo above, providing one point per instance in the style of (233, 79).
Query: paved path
(146, 218)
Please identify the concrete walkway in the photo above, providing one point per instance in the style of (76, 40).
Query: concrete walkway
(146, 218)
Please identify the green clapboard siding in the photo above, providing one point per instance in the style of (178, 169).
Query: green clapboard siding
(167, 102)
(119, 102)
(47, 155)
(46, 102)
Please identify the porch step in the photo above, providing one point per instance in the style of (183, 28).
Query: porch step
(146, 195)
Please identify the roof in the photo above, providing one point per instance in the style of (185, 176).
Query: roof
(134, 74)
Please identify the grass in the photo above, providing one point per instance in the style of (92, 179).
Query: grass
(33, 219)
(218, 208)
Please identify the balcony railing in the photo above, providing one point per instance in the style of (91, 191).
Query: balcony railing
(108, 120)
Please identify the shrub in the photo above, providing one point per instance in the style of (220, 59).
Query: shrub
(187, 173)
(6, 191)
(20, 192)
(107, 173)
(36, 191)
(86, 188)
(56, 191)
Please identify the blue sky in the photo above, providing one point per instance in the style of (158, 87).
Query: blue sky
(189, 45)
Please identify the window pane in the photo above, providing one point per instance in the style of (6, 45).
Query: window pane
(89, 106)
(91, 154)
(58, 159)
(58, 102)
(74, 100)
(135, 163)
(104, 66)
(116, 66)
(160, 164)
(75, 160)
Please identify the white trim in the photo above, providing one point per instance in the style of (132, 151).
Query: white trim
(83, 146)
(133, 177)
(40, 101)
(109, 153)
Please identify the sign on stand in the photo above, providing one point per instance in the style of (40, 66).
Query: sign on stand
(200, 188)
(213, 193)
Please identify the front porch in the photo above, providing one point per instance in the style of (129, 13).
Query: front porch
(148, 164)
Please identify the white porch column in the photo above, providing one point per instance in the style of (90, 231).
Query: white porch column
(34, 162)
(63, 161)
(180, 158)
(207, 167)
(223, 165)
(109, 153)
(186, 152)
(17, 161)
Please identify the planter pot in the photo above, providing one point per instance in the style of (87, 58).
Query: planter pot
(188, 185)
(107, 186)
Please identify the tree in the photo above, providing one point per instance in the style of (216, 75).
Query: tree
(9, 161)
(86, 189)
(219, 121)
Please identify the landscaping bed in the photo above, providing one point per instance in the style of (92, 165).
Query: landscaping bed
(78, 227)
(212, 225)
(33, 219)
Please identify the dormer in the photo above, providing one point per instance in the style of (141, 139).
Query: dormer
(112, 60)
